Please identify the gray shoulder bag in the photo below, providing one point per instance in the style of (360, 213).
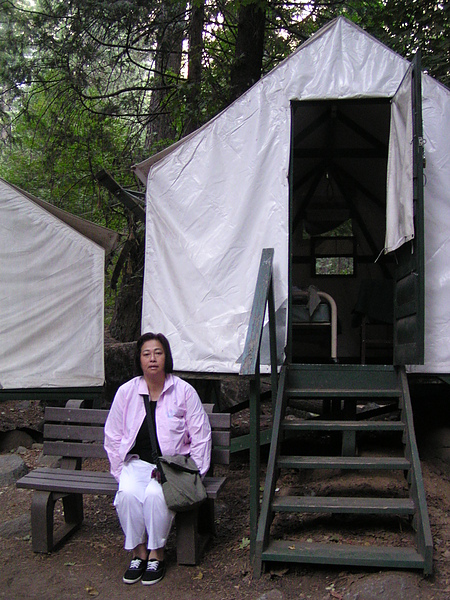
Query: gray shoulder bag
(180, 479)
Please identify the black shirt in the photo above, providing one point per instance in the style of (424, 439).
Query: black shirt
(142, 446)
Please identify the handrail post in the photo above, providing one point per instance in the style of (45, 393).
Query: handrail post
(273, 345)
(256, 322)
(264, 295)
(255, 456)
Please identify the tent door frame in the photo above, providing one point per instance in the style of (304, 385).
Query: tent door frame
(409, 284)
(288, 350)
(409, 278)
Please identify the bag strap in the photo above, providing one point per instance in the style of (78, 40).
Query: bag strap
(178, 466)
(152, 433)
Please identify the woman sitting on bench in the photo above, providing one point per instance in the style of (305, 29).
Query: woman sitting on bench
(182, 427)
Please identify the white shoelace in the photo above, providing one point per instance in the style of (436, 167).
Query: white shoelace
(152, 565)
(135, 563)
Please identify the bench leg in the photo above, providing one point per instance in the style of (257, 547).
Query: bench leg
(194, 529)
(44, 538)
(73, 509)
(187, 537)
(206, 518)
(42, 507)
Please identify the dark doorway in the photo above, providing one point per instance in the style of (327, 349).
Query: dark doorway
(338, 176)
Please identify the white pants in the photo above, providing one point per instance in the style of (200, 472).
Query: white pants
(140, 504)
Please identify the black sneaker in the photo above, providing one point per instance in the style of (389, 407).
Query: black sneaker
(135, 570)
(156, 569)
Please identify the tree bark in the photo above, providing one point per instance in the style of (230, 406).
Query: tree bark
(161, 130)
(247, 66)
(126, 322)
(193, 95)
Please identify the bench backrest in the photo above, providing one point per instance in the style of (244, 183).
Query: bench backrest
(74, 432)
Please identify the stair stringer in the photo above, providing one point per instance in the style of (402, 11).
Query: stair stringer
(421, 522)
(266, 513)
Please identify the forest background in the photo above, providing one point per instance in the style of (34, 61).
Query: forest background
(89, 86)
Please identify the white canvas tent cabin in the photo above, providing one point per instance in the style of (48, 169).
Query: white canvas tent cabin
(322, 161)
(302, 157)
(51, 299)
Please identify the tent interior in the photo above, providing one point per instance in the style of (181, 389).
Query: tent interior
(338, 170)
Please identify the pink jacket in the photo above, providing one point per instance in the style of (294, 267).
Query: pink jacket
(181, 423)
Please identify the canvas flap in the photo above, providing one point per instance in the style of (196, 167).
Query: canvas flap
(399, 198)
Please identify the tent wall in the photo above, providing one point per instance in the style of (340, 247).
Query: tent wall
(436, 132)
(104, 237)
(217, 199)
(51, 299)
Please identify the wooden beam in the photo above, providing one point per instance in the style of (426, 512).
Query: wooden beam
(125, 197)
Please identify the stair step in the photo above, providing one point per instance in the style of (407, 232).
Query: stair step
(344, 505)
(324, 425)
(352, 368)
(343, 554)
(339, 380)
(344, 462)
(336, 392)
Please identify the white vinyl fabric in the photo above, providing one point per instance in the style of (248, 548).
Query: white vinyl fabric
(51, 299)
(436, 134)
(399, 193)
(218, 197)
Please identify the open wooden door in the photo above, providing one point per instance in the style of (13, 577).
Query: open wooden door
(409, 309)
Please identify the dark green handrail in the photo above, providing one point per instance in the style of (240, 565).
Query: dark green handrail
(250, 367)
(263, 295)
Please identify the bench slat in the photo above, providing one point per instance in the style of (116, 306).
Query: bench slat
(220, 420)
(220, 456)
(55, 431)
(76, 415)
(99, 416)
(214, 485)
(96, 434)
(73, 432)
(74, 450)
(221, 438)
(57, 473)
(70, 481)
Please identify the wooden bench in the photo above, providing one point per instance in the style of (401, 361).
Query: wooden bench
(76, 433)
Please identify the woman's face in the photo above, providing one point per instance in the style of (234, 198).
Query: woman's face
(153, 358)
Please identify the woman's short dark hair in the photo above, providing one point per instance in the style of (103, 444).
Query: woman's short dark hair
(168, 365)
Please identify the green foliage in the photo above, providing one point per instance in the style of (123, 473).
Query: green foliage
(78, 77)
(54, 151)
(420, 25)
(91, 84)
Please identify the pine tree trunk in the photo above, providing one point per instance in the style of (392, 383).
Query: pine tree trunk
(247, 66)
(195, 67)
(126, 322)
(160, 128)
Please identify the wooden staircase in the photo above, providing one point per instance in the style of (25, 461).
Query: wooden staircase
(358, 400)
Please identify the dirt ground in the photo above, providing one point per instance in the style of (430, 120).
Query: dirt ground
(91, 563)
